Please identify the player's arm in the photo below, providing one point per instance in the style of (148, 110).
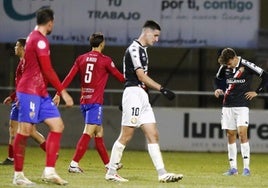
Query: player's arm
(149, 82)
(219, 82)
(67, 80)
(49, 73)
(261, 88)
(53, 79)
(116, 73)
(70, 76)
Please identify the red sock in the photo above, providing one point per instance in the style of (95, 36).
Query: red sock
(100, 146)
(10, 151)
(52, 148)
(43, 146)
(81, 147)
(19, 146)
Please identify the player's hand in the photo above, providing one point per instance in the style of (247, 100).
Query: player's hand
(250, 95)
(167, 93)
(67, 98)
(218, 92)
(56, 100)
(7, 100)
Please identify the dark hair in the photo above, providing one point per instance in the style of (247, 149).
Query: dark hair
(44, 15)
(226, 55)
(152, 25)
(95, 39)
(22, 41)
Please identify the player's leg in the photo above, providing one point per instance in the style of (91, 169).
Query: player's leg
(232, 152)
(228, 123)
(243, 121)
(152, 136)
(92, 114)
(50, 115)
(117, 152)
(39, 138)
(81, 148)
(131, 106)
(100, 146)
(13, 127)
(245, 149)
(19, 146)
(28, 114)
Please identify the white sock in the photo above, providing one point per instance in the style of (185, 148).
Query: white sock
(156, 156)
(74, 164)
(17, 173)
(232, 155)
(116, 156)
(245, 152)
(49, 170)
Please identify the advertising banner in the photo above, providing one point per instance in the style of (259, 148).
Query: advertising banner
(185, 23)
(192, 129)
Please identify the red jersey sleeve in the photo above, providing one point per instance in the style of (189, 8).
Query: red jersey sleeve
(49, 73)
(115, 72)
(68, 79)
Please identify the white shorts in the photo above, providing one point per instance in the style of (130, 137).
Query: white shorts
(232, 117)
(136, 107)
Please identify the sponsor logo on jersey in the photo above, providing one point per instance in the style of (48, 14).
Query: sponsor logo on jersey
(235, 81)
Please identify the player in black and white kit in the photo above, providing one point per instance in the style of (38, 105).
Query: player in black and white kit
(235, 73)
(137, 111)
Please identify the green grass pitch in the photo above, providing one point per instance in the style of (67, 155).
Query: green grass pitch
(200, 170)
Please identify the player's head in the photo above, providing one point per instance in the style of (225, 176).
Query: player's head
(45, 17)
(19, 47)
(150, 33)
(96, 40)
(227, 56)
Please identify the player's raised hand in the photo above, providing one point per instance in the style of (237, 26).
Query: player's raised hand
(67, 98)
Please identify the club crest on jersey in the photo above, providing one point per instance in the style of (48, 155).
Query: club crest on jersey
(133, 120)
(41, 44)
(32, 115)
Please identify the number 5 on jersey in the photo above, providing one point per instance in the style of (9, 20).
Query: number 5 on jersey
(88, 74)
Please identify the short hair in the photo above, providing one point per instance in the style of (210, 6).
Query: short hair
(226, 55)
(152, 25)
(44, 15)
(95, 39)
(22, 41)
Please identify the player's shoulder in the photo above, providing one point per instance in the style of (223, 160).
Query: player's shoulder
(36, 37)
(105, 58)
(246, 63)
(135, 46)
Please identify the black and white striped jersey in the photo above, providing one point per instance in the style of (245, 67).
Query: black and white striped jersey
(237, 82)
(136, 57)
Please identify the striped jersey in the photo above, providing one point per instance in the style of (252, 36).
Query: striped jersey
(237, 82)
